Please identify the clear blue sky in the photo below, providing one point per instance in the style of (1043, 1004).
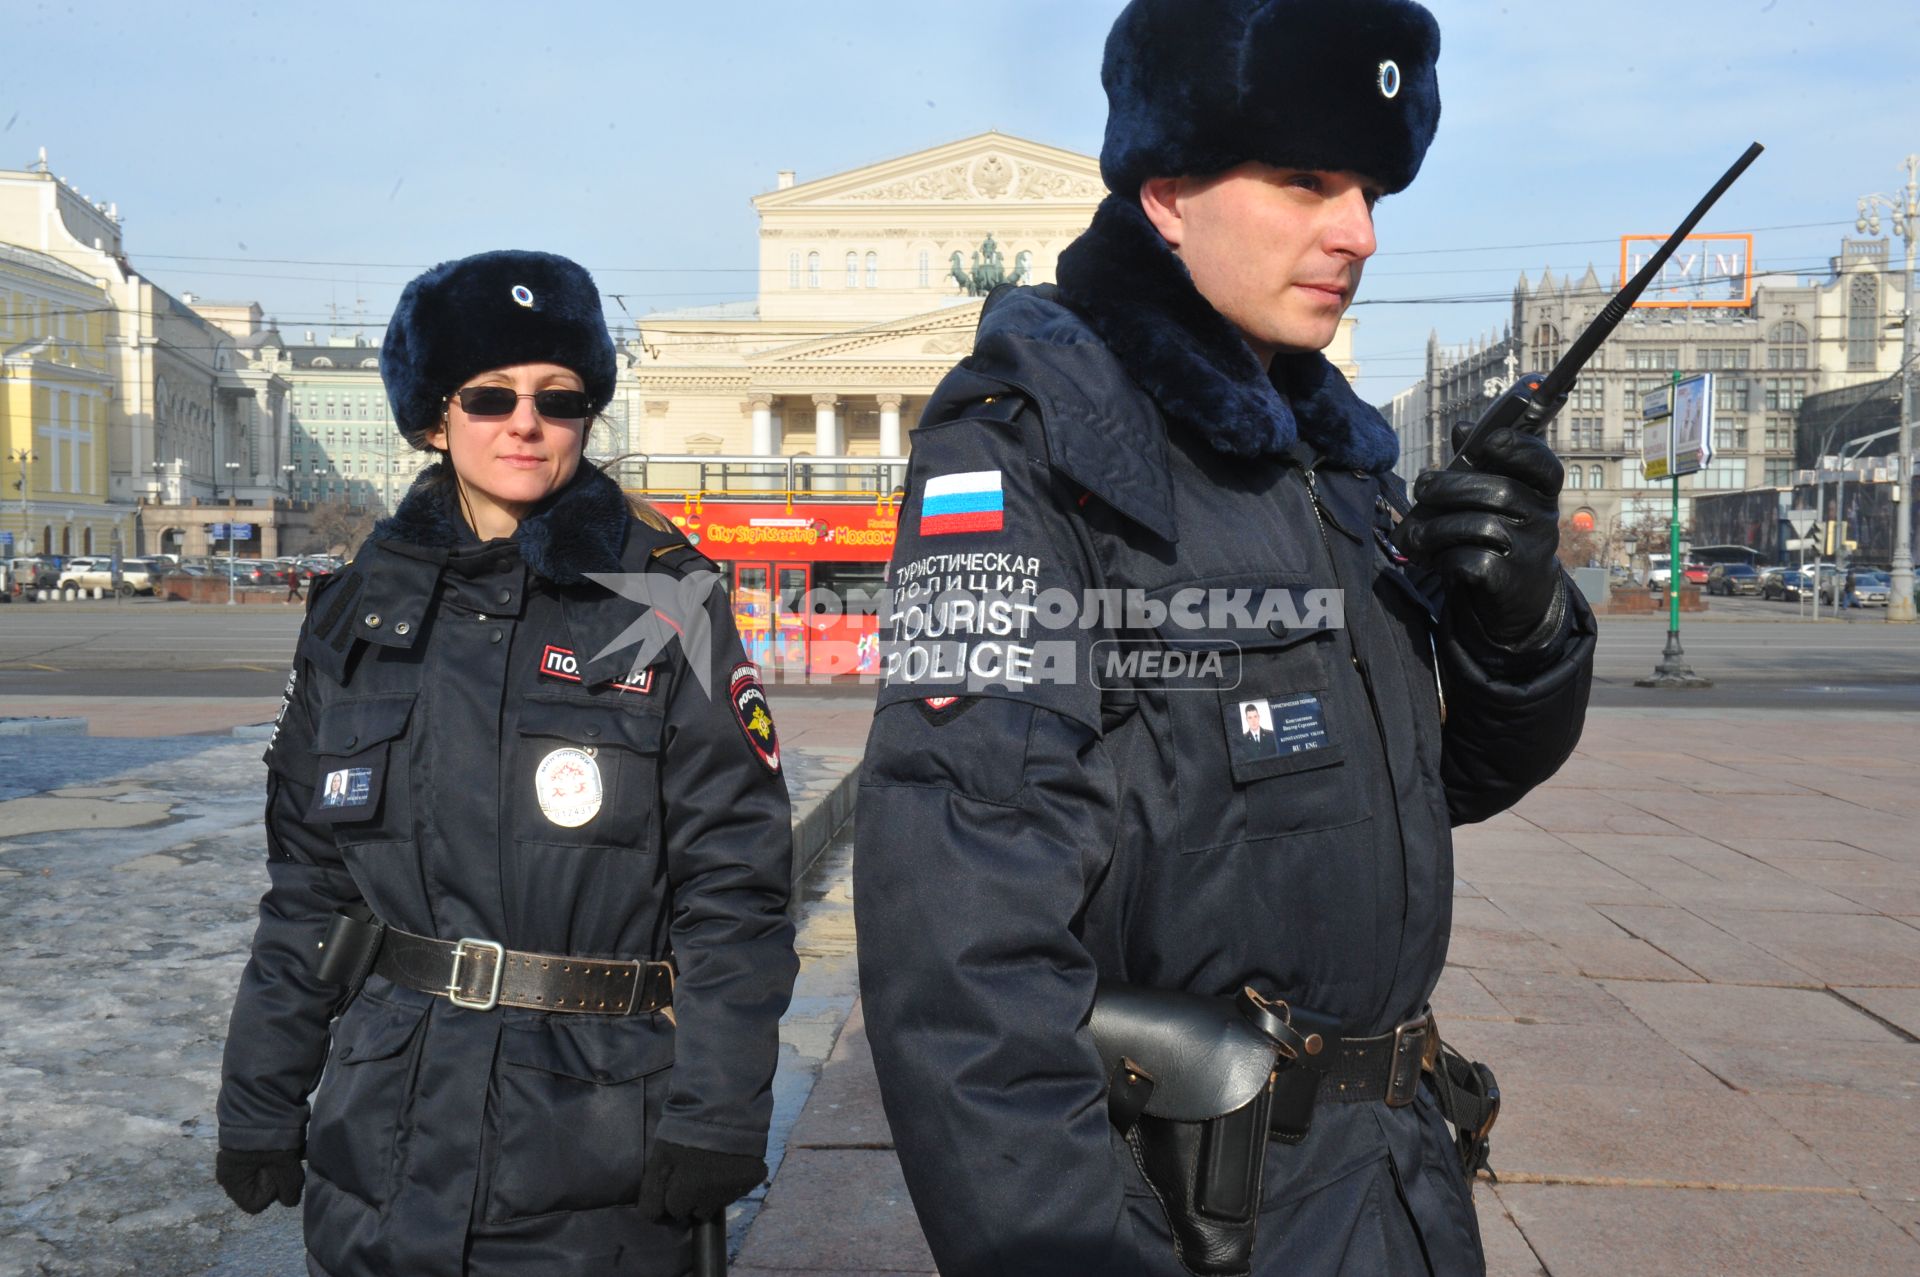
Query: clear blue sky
(384, 137)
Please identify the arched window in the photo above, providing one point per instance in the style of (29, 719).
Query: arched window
(813, 270)
(873, 270)
(1574, 478)
(1863, 322)
(1545, 352)
(86, 541)
(853, 270)
(793, 270)
(1787, 344)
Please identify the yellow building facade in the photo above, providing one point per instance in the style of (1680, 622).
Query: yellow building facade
(56, 392)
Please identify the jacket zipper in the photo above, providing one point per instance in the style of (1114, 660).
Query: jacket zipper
(1320, 519)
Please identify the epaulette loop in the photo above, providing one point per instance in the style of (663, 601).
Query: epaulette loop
(332, 607)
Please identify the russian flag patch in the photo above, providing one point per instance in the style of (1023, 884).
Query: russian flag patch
(969, 502)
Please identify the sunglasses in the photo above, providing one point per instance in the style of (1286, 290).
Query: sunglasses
(500, 401)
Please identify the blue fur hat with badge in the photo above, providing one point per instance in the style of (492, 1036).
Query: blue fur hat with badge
(491, 310)
(1197, 87)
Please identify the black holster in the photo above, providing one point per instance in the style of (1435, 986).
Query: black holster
(351, 947)
(1192, 1086)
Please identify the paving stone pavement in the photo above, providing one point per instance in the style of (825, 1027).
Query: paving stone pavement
(1693, 959)
(130, 869)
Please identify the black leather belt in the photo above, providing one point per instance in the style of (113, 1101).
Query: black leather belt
(1352, 1070)
(1385, 1068)
(480, 975)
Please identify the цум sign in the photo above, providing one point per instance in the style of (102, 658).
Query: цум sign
(1706, 270)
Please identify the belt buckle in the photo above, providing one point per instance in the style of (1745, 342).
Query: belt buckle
(642, 984)
(1404, 1082)
(460, 953)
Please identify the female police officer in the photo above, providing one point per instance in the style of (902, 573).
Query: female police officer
(517, 821)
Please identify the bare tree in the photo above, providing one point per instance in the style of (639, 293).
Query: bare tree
(339, 528)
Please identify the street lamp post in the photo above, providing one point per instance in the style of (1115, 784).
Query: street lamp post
(1858, 446)
(233, 512)
(1904, 222)
(25, 457)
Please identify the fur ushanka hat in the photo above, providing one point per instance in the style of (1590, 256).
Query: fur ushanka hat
(1196, 87)
(491, 310)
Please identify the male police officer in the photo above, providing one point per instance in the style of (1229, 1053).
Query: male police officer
(1154, 456)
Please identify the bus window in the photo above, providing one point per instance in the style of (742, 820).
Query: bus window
(855, 587)
(793, 589)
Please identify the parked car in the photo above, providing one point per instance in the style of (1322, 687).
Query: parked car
(1733, 578)
(1870, 586)
(33, 573)
(1696, 573)
(1786, 584)
(97, 573)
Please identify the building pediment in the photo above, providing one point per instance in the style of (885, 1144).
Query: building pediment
(990, 168)
(942, 334)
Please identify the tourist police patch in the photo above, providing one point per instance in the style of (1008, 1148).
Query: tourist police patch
(751, 711)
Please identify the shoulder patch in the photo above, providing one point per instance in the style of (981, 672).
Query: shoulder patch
(751, 712)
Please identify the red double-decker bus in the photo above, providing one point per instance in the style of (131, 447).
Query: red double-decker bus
(805, 567)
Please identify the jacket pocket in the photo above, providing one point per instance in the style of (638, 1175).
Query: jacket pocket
(1263, 755)
(360, 774)
(574, 1103)
(362, 1100)
(584, 772)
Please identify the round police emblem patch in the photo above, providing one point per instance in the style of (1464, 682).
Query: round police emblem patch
(524, 295)
(1389, 79)
(751, 712)
(567, 783)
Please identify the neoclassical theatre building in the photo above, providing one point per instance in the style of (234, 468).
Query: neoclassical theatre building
(870, 287)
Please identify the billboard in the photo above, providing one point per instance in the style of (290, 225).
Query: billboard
(1692, 424)
(1705, 271)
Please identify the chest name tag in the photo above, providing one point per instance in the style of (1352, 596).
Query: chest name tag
(349, 787)
(348, 794)
(567, 783)
(1277, 727)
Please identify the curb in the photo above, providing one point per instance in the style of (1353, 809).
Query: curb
(815, 827)
(43, 727)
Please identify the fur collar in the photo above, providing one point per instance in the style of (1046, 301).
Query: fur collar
(1137, 295)
(577, 530)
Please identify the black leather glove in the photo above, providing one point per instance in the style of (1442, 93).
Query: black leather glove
(257, 1178)
(1492, 534)
(686, 1183)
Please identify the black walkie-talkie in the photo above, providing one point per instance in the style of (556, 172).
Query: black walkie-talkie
(1530, 403)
